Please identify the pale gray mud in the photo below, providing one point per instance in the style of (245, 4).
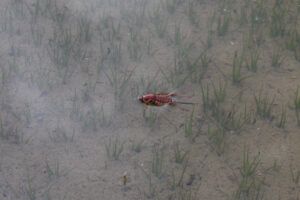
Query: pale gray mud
(71, 125)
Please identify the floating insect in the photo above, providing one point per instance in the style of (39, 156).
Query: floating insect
(162, 99)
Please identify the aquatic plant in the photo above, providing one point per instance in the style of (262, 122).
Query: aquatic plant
(179, 155)
(178, 183)
(281, 119)
(249, 186)
(297, 106)
(157, 162)
(263, 105)
(114, 149)
(236, 68)
(295, 174)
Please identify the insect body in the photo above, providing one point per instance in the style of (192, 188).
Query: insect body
(161, 99)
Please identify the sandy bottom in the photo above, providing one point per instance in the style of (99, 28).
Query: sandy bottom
(72, 127)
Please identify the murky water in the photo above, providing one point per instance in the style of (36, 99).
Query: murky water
(72, 126)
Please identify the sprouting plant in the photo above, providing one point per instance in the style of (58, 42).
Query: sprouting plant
(205, 97)
(157, 162)
(236, 68)
(218, 138)
(237, 122)
(263, 105)
(249, 186)
(219, 92)
(281, 120)
(114, 149)
(151, 118)
(179, 155)
(175, 77)
(223, 24)
(30, 189)
(297, 106)
(295, 173)
(277, 59)
(278, 24)
(53, 171)
(192, 13)
(252, 65)
(84, 30)
(27, 114)
(178, 183)
(119, 83)
(188, 126)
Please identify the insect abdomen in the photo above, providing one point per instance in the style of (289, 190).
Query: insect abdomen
(163, 99)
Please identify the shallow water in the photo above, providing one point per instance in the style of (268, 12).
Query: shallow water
(72, 126)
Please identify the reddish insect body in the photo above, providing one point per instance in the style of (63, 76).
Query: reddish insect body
(157, 99)
(161, 99)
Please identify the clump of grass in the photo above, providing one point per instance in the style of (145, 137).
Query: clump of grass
(27, 114)
(197, 69)
(220, 92)
(84, 30)
(176, 76)
(119, 83)
(170, 6)
(188, 126)
(242, 18)
(218, 138)
(134, 46)
(53, 172)
(249, 187)
(276, 167)
(149, 47)
(114, 149)
(37, 33)
(179, 155)
(247, 117)
(116, 55)
(60, 48)
(103, 119)
(236, 68)
(178, 37)
(208, 43)
(152, 189)
(292, 41)
(278, 24)
(75, 112)
(281, 120)
(210, 21)
(297, 106)
(134, 50)
(252, 65)
(159, 21)
(205, 97)
(220, 115)
(295, 175)
(30, 189)
(60, 135)
(223, 24)
(150, 118)
(237, 122)
(192, 13)
(263, 105)
(277, 59)
(258, 15)
(2, 132)
(157, 162)
(178, 183)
